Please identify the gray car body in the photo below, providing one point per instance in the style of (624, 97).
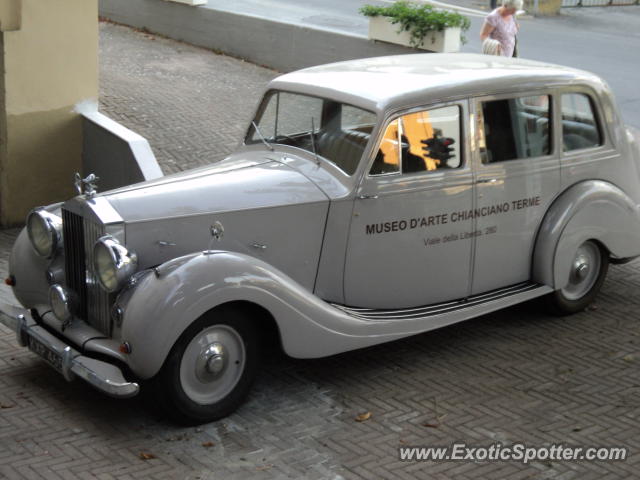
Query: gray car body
(289, 239)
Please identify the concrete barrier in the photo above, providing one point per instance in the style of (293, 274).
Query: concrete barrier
(278, 45)
(117, 155)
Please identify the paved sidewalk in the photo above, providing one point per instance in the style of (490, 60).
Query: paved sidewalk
(514, 376)
(192, 106)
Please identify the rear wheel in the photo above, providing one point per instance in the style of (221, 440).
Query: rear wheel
(210, 369)
(588, 271)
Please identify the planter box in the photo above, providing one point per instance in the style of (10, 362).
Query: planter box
(380, 28)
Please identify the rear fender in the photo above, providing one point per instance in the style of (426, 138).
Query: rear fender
(590, 210)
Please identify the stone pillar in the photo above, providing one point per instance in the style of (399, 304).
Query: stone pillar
(48, 64)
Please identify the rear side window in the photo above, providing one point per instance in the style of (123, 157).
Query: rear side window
(515, 128)
(422, 141)
(579, 125)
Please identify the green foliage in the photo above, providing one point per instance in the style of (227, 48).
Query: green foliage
(418, 19)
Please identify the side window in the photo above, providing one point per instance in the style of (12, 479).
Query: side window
(579, 125)
(420, 141)
(515, 128)
(388, 158)
(357, 120)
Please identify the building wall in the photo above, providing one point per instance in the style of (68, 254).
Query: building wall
(49, 64)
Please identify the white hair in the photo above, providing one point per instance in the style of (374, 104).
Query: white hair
(517, 4)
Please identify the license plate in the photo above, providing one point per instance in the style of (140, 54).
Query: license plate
(49, 356)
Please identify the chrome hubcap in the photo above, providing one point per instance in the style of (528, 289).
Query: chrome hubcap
(212, 364)
(581, 270)
(584, 271)
(215, 364)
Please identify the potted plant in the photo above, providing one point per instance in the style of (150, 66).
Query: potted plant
(421, 26)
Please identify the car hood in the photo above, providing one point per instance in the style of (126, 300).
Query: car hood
(244, 181)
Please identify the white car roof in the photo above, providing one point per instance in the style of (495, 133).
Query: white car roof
(388, 83)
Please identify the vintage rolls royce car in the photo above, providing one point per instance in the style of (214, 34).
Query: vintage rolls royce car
(369, 200)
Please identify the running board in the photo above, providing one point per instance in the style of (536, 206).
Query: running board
(534, 289)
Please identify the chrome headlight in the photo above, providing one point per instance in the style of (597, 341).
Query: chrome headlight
(44, 231)
(113, 263)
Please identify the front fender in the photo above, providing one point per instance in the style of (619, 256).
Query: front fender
(28, 269)
(162, 306)
(590, 210)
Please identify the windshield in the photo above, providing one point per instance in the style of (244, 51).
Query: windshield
(332, 130)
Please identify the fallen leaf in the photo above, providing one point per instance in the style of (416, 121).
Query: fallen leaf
(208, 444)
(628, 358)
(430, 425)
(363, 417)
(146, 456)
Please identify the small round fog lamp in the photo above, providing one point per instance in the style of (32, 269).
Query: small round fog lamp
(61, 303)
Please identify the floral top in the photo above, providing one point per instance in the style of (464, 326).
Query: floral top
(503, 31)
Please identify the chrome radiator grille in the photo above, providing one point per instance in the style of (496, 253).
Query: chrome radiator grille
(94, 303)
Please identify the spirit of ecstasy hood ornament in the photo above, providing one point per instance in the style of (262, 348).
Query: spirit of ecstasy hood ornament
(89, 184)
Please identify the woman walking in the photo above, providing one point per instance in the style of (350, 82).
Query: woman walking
(501, 27)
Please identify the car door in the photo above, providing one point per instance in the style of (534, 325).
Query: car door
(403, 249)
(517, 178)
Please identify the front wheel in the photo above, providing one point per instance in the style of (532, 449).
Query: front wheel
(588, 271)
(210, 369)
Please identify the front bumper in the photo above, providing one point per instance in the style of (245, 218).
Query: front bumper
(104, 376)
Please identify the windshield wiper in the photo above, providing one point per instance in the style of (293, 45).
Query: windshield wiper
(264, 140)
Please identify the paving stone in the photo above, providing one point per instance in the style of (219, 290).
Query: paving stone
(192, 105)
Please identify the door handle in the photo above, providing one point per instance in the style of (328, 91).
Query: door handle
(367, 197)
(487, 180)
